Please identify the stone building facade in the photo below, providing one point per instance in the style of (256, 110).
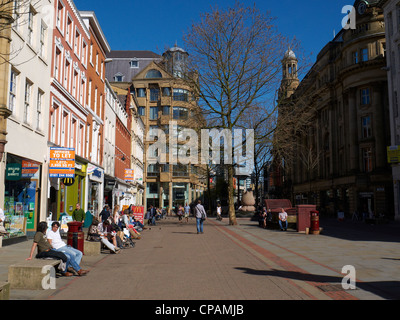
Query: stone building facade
(345, 92)
(391, 9)
(164, 102)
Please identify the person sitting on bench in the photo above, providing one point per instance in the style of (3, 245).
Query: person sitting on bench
(45, 250)
(54, 238)
(283, 220)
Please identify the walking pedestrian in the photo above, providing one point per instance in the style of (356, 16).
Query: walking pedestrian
(187, 212)
(219, 212)
(201, 216)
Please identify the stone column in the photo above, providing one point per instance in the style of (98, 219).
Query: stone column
(5, 40)
(353, 131)
(378, 125)
(170, 197)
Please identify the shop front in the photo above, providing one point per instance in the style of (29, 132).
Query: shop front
(122, 194)
(21, 196)
(72, 192)
(95, 189)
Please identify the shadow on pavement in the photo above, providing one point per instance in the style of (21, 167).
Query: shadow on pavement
(389, 290)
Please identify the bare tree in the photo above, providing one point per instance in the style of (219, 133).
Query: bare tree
(237, 55)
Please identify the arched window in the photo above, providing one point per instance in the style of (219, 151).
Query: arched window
(153, 73)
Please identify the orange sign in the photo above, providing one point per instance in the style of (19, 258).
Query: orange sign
(129, 175)
(62, 163)
(29, 168)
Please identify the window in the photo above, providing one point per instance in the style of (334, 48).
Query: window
(367, 159)
(180, 95)
(134, 64)
(57, 65)
(77, 43)
(355, 57)
(118, 77)
(30, 25)
(153, 170)
(67, 73)
(180, 170)
(64, 129)
(154, 94)
(153, 113)
(89, 101)
(180, 113)
(84, 49)
(153, 73)
(365, 96)
(153, 131)
(74, 83)
(153, 187)
(95, 101)
(27, 104)
(39, 110)
(166, 91)
(69, 33)
(42, 44)
(60, 16)
(364, 54)
(16, 13)
(13, 91)
(366, 127)
(165, 110)
(142, 111)
(141, 92)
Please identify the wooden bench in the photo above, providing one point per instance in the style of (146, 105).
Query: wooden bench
(29, 274)
(4, 291)
(275, 206)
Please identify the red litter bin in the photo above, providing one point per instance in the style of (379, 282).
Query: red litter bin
(314, 226)
(75, 235)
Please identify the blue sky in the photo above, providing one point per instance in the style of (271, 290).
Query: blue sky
(157, 24)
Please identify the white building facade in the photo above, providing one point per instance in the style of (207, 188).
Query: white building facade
(23, 193)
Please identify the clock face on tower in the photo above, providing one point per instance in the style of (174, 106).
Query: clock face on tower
(362, 6)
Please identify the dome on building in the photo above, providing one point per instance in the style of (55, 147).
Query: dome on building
(290, 54)
(176, 48)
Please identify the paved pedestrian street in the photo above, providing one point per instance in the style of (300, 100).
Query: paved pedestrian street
(234, 263)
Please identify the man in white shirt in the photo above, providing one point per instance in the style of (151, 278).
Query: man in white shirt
(75, 256)
(283, 220)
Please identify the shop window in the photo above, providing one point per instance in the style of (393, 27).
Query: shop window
(22, 179)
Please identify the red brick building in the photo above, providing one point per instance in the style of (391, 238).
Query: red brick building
(98, 49)
(68, 99)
